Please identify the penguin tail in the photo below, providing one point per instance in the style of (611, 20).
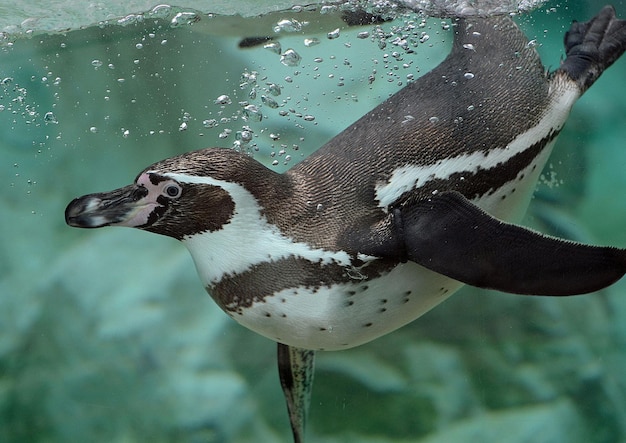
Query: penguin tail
(593, 46)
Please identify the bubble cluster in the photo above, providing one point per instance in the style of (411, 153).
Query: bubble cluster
(289, 25)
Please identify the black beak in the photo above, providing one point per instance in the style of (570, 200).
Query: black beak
(105, 208)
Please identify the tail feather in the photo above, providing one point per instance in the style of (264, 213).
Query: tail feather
(593, 46)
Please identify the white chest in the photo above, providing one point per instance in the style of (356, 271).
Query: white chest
(345, 315)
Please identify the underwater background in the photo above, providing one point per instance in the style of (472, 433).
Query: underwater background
(108, 335)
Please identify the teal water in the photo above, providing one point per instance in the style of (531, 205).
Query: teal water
(108, 336)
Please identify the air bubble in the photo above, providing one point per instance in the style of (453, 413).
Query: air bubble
(223, 100)
(288, 25)
(269, 101)
(273, 46)
(49, 117)
(333, 34)
(434, 119)
(308, 118)
(130, 19)
(93, 130)
(184, 18)
(468, 75)
(274, 89)
(245, 135)
(251, 112)
(161, 11)
(96, 63)
(308, 42)
(183, 126)
(210, 123)
(290, 58)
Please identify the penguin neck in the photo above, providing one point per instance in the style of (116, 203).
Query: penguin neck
(250, 237)
(255, 233)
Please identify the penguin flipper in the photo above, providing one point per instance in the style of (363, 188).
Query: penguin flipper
(593, 46)
(450, 235)
(296, 368)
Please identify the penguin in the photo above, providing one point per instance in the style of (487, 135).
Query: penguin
(389, 218)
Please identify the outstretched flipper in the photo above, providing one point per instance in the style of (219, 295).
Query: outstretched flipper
(452, 236)
(296, 369)
(593, 46)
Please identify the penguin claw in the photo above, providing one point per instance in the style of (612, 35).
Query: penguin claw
(593, 46)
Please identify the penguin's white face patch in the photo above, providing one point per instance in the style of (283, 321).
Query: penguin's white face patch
(247, 239)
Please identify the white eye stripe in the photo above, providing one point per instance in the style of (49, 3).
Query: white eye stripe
(247, 240)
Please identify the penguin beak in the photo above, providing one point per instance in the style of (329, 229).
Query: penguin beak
(126, 206)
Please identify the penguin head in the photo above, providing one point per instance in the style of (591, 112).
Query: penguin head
(178, 197)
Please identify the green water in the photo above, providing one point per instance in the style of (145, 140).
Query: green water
(108, 336)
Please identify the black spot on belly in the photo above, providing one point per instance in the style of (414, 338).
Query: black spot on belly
(367, 325)
(351, 293)
(382, 310)
(349, 303)
(407, 293)
(383, 301)
(364, 288)
(267, 314)
(322, 329)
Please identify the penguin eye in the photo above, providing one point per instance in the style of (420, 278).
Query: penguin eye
(173, 190)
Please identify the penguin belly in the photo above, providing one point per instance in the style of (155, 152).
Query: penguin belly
(341, 316)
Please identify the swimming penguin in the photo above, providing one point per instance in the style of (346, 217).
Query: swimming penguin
(394, 214)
